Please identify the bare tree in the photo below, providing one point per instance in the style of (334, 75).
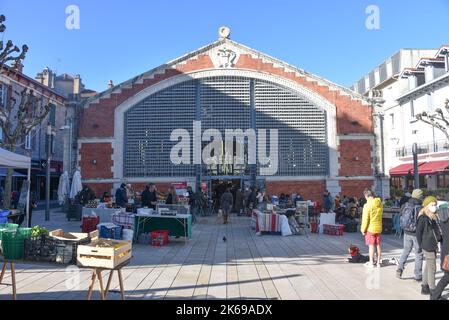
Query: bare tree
(23, 108)
(437, 119)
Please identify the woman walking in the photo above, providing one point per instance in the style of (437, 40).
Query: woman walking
(428, 235)
(444, 281)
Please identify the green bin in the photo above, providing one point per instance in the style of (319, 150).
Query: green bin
(11, 226)
(12, 245)
(24, 233)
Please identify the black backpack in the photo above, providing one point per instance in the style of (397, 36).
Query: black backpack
(409, 216)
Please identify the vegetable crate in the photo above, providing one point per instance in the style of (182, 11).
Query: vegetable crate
(110, 231)
(159, 238)
(104, 253)
(126, 220)
(333, 229)
(90, 224)
(68, 242)
(40, 248)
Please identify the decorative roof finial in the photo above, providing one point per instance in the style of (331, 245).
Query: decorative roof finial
(224, 32)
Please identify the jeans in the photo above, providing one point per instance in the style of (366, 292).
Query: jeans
(410, 242)
(430, 268)
(444, 281)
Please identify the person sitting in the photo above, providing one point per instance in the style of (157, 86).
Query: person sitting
(356, 256)
(86, 195)
(106, 197)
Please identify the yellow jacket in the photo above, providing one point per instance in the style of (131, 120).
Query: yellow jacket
(372, 216)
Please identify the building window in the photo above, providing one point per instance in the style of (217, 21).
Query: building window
(3, 90)
(392, 120)
(396, 182)
(28, 139)
(442, 180)
(412, 109)
(52, 117)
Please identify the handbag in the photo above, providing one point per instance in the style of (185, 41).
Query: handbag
(445, 265)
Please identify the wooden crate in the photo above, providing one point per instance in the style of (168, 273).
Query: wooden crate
(104, 253)
(73, 236)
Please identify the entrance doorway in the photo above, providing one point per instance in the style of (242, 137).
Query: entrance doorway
(218, 187)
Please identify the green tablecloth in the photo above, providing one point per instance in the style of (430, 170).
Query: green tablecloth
(178, 226)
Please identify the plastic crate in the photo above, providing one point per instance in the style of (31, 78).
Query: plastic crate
(110, 231)
(89, 224)
(25, 233)
(333, 229)
(159, 238)
(40, 248)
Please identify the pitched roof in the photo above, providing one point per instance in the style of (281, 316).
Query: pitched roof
(276, 62)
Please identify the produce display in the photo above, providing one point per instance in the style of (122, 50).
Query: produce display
(37, 231)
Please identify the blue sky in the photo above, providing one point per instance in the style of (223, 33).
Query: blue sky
(120, 39)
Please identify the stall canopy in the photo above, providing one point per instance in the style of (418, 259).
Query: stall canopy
(404, 169)
(4, 171)
(434, 167)
(10, 159)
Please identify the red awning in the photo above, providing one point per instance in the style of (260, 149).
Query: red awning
(404, 169)
(433, 167)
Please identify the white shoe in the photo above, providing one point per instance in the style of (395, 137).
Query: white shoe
(369, 265)
(379, 264)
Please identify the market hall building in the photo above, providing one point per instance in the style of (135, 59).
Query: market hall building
(325, 131)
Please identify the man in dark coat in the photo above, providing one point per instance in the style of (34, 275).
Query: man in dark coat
(121, 198)
(149, 196)
(226, 202)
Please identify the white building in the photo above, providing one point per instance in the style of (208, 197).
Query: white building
(410, 82)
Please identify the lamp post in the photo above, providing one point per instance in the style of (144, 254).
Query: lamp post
(415, 165)
(47, 182)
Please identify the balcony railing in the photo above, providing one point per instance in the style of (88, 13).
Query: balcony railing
(425, 147)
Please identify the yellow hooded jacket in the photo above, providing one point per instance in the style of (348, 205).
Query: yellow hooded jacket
(372, 216)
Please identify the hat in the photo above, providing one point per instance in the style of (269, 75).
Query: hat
(428, 200)
(417, 194)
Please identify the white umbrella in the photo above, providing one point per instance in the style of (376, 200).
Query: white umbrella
(63, 187)
(76, 184)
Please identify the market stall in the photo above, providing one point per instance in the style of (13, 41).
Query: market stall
(11, 160)
(177, 221)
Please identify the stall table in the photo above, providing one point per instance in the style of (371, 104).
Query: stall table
(105, 214)
(179, 225)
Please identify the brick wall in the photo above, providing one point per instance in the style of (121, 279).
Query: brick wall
(354, 188)
(100, 188)
(102, 153)
(349, 150)
(309, 190)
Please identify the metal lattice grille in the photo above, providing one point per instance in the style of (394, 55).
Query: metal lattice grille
(148, 127)
(301, 128)
(225, 103)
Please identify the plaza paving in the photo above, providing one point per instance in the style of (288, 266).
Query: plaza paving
(245, 266)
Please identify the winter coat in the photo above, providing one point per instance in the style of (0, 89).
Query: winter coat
(428, 233)
(121, 199)
(148, 197)
(372, 216)
(238, 201)
(444, 220)
(226, 200)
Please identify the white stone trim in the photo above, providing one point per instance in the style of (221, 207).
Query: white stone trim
(95, 140)
(355, 178)
(319, 101)
(293, 178)
(356, 137)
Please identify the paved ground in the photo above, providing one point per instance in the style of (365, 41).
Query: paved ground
(246, 266)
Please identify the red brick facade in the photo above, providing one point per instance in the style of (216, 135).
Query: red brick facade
(355, 158)
(101, 153)
(354, 188)
(310, 190)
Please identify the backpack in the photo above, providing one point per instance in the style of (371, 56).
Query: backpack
(409, 215)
